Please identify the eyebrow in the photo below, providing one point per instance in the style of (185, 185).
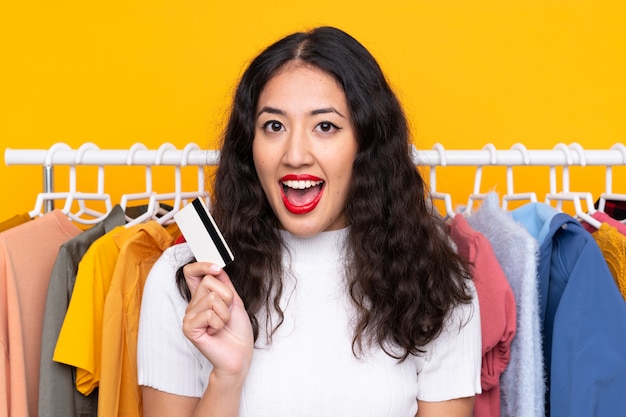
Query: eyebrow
(272, 110)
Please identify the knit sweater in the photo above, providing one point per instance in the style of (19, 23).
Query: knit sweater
(522, 383)
(309, 368)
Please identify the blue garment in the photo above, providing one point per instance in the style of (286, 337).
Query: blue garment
(583, 317)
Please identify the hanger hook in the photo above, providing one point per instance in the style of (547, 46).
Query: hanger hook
(161, 151)
(80, 153)
(476, 195)
(581, 153)
(88, 146)
(60, 146)
(130, 158)
(433, 168)
(442, 154)
(620, 147)
(523, 151)
(566, 152)
(568, 161)
(492, 153)
(184, 159)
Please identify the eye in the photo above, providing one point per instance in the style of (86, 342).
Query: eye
(273, 126)
(326, 127)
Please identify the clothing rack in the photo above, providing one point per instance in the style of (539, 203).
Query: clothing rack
(167, 154)
(561, 155)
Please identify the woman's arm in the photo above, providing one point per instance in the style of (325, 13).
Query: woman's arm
(221, 398)
(162, 404)
(218, 325)
(459, 407)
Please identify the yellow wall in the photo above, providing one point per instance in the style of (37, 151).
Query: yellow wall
(469, 73)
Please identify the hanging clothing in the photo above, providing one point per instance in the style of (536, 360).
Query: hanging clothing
(58, 396)
(497, 312)
(613, 246)
(16, 220)
(119, 393)
(27, 256)
(614, 208)
(605, 218)
(80, 338)
(583, 317)
(522, 384)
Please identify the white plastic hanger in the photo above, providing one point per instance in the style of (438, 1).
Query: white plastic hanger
(154, 208)
(608, 193)
(434, 194)
(510, 193)
(476, 194)
(72, 195)
(566, 195)
(45, 196)
(153, 205)
(95, 216)
(157, 212)
(181, 197)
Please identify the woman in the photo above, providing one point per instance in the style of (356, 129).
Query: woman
(345, 297)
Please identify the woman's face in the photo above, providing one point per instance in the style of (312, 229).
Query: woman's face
(304, 147)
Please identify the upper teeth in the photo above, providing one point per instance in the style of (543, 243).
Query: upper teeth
(302, 184)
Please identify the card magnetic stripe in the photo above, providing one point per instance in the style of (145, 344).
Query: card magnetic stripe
(212, 232)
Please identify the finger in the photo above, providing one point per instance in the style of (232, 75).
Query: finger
(200, 323)
(223, 277)
(194, 272)
(209, 301)
(210, 313)
(210, 286)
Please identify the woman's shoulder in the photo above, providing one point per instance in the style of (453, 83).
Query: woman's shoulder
(174, 257)
(162, 275)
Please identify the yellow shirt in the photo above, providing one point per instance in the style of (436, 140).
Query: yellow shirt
(97, 333)
(119, 393)
(14, 221)
(613, 246)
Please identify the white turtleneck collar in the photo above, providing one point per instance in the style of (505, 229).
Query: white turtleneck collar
(323, 247)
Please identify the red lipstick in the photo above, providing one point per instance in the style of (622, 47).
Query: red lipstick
(307, 204)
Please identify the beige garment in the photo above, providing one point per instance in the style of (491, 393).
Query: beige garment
(27, 255)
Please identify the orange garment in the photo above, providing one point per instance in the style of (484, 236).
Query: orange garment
(612, 243)
(14, 221)
(119, 393)
(27, 256)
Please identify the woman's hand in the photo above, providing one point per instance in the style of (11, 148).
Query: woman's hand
(216, 321)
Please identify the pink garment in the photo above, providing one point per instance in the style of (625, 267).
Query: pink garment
(497, 312)
(605, 218)
(27, 255)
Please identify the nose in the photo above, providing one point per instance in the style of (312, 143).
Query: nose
(297, 150)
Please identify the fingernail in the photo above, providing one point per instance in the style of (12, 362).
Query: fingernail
(215, 268)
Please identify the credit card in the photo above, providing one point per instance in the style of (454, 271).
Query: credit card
(201, 233)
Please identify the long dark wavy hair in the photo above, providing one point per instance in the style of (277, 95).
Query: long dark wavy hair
(404, 277)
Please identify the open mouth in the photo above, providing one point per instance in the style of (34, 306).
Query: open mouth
(300, 196)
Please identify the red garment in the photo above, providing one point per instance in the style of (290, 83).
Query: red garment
(497, 312)
(605, 218)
